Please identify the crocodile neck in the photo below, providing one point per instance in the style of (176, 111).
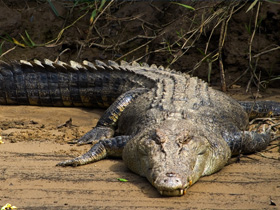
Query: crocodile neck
(178, 96)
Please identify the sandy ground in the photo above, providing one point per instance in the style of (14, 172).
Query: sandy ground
(33, 145)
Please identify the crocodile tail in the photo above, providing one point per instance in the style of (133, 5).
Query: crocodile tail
(261, 108)
(59, 84)
(37, 83)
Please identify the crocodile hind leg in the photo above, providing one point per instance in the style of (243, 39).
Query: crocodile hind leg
(104, 148)
(106, 124)
(261, 108)
(247, 142)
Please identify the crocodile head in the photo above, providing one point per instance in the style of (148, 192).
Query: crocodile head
(172, 156)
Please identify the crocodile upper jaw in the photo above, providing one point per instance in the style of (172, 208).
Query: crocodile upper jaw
(172, 184)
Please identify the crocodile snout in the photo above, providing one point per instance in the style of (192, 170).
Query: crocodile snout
(170, 184)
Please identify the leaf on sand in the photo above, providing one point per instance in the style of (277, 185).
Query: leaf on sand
(122, 180)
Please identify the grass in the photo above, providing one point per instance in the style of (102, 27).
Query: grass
(26, 40)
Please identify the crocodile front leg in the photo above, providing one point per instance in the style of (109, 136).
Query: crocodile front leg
(98, 133)
(106, 124)
(112, 147)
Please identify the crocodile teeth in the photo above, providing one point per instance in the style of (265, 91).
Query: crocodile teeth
(181, 192)
(178, 192)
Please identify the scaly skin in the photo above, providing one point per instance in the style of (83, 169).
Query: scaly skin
(172, 128)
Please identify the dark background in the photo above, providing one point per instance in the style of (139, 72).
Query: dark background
(242, 35)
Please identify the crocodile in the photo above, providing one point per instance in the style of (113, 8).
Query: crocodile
(167, 126)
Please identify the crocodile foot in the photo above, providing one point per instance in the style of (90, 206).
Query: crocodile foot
(97, 152)
(72, 162)
(109, 147)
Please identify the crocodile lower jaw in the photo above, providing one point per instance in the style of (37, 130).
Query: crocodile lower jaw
(178, 192)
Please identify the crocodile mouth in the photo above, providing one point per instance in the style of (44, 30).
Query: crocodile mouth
(178, 192)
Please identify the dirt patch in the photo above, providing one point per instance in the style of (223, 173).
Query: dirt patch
(50, 123)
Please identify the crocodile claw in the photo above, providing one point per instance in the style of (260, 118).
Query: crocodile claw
(74, 141)
(73, 162)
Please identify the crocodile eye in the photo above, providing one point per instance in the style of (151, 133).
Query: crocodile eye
(145, 145)
(185, 140)
(160, 137)
(201, 146)
(202, 151)
(184, 137)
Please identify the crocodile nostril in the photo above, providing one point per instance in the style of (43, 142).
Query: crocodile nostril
(171, 176)
(169, 182)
